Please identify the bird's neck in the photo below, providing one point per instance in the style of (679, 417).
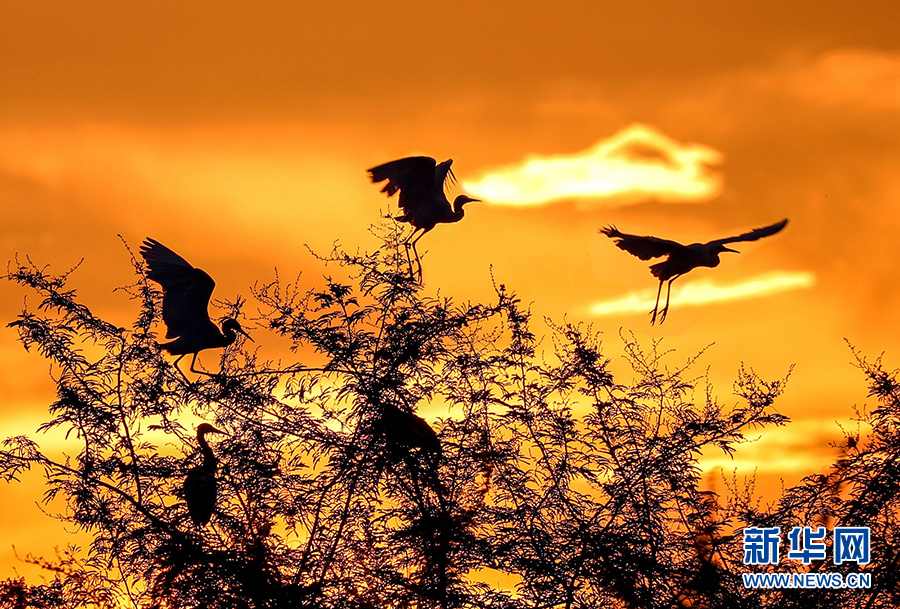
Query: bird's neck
(209, 459)
(228, 335)
(458, 211)
(707, 257)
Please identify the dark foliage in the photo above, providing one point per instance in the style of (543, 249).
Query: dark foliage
(550, 483)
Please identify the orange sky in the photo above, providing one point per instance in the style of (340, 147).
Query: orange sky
(236, 135)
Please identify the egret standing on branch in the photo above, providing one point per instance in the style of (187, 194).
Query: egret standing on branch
(681, 258)
(186, 294)
(200, 483)
(420, 181)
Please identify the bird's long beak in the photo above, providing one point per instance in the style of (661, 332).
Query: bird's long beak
(250, 338)
(725, 249)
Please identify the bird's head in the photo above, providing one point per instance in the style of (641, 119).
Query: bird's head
(205, 428)
(234, 326)
(462, 200)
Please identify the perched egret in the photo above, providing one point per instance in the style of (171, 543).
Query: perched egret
(200, 483)
(186, 294)
(406, 429)
(420, 181)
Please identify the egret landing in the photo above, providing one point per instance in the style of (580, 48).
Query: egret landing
(680, 259)
(186, 294)
(420, 181)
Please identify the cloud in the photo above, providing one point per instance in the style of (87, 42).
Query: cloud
(802, 446)
(856, 78)
(634, 165)
(705, 291)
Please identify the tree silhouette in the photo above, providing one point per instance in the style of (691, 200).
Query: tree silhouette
(550, 482)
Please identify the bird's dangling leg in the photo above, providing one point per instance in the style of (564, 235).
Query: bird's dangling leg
(656, 306)
(666, 308)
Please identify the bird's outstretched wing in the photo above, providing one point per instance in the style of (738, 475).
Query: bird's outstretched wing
(644, 248)
(443, 174)
(414, 177)
(756, 233)
(186, 290)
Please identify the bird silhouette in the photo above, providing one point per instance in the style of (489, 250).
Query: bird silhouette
(420, 181)
(200, 482)
(186, 294)
(408, 430)
(680, 258)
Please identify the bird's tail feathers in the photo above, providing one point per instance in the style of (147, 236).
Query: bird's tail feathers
(658, 269)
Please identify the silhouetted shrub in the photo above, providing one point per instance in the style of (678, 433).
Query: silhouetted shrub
(551, 482)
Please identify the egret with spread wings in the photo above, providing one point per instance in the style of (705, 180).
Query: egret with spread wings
(420, 181)
(680, 258)
(186, 294)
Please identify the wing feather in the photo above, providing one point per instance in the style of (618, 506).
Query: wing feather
(756, 233)
(644, 248)
(414, 177)
(186, 290)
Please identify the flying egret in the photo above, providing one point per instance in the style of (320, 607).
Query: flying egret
(420, 181)
(200, 482)
(681, 258)
(186, 294)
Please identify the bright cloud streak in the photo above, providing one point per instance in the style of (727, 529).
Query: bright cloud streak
(636, 164)
(802, 446)
(705, 291)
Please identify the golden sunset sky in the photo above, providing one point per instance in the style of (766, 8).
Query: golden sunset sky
(238, 133)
